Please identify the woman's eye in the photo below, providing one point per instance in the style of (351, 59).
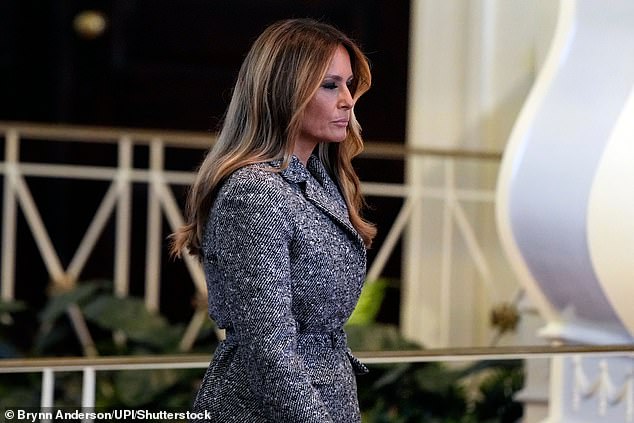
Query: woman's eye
(329, 85)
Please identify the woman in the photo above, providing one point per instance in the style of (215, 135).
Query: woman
(274, 216)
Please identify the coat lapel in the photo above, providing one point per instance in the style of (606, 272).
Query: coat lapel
(324, 196)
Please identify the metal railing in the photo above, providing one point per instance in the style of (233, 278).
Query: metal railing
(583, 387)
(159, 180)
(161, 200)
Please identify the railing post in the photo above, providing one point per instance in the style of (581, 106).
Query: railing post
(88, 390)
(122, 243)
(154, 227)
(9, 216)
(446, 256)
(48, 388)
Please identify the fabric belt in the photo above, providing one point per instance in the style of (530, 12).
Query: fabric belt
(335, 339)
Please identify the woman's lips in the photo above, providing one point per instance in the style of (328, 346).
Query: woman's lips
(341, 122)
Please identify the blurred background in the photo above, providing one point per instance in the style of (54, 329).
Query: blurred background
(168, 65)
(164, 64)
(107, 107)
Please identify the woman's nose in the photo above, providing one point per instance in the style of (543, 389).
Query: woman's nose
(345, 98)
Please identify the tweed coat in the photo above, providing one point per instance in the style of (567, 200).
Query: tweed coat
(284, 269)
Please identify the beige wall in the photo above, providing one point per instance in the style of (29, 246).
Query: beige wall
(472, 64)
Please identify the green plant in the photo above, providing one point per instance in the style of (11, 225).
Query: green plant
(481, 392)
(114, 326)
(434, 392)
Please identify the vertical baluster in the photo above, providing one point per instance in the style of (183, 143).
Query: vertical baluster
(154, 227)
(9, 216)
(122, 250)
(605, 390)
(88, 391)
(629, 394)
(48, 392)
(578, 382)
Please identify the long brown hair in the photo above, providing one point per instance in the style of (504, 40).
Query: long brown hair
(277, 79)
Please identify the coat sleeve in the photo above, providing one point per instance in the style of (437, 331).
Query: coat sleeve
(252, 236)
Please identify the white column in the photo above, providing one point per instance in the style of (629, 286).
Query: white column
(434, 118)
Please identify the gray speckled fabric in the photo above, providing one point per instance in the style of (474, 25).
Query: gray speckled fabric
(284, 271)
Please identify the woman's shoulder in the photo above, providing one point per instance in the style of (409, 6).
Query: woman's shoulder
(256, 175)
(253, 196)
(253, 181)
(259, 171)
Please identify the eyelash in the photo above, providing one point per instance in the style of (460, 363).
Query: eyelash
(333, 85)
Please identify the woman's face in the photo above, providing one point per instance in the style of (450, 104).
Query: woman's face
(327, 114)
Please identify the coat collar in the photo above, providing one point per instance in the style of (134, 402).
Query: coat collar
(319, 189)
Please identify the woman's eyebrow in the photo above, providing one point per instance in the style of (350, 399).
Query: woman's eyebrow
(338, 77)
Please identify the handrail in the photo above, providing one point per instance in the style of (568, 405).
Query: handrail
(98, 134)
(368, 357)
(193, 139)
(386, 150)
(162, 204)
